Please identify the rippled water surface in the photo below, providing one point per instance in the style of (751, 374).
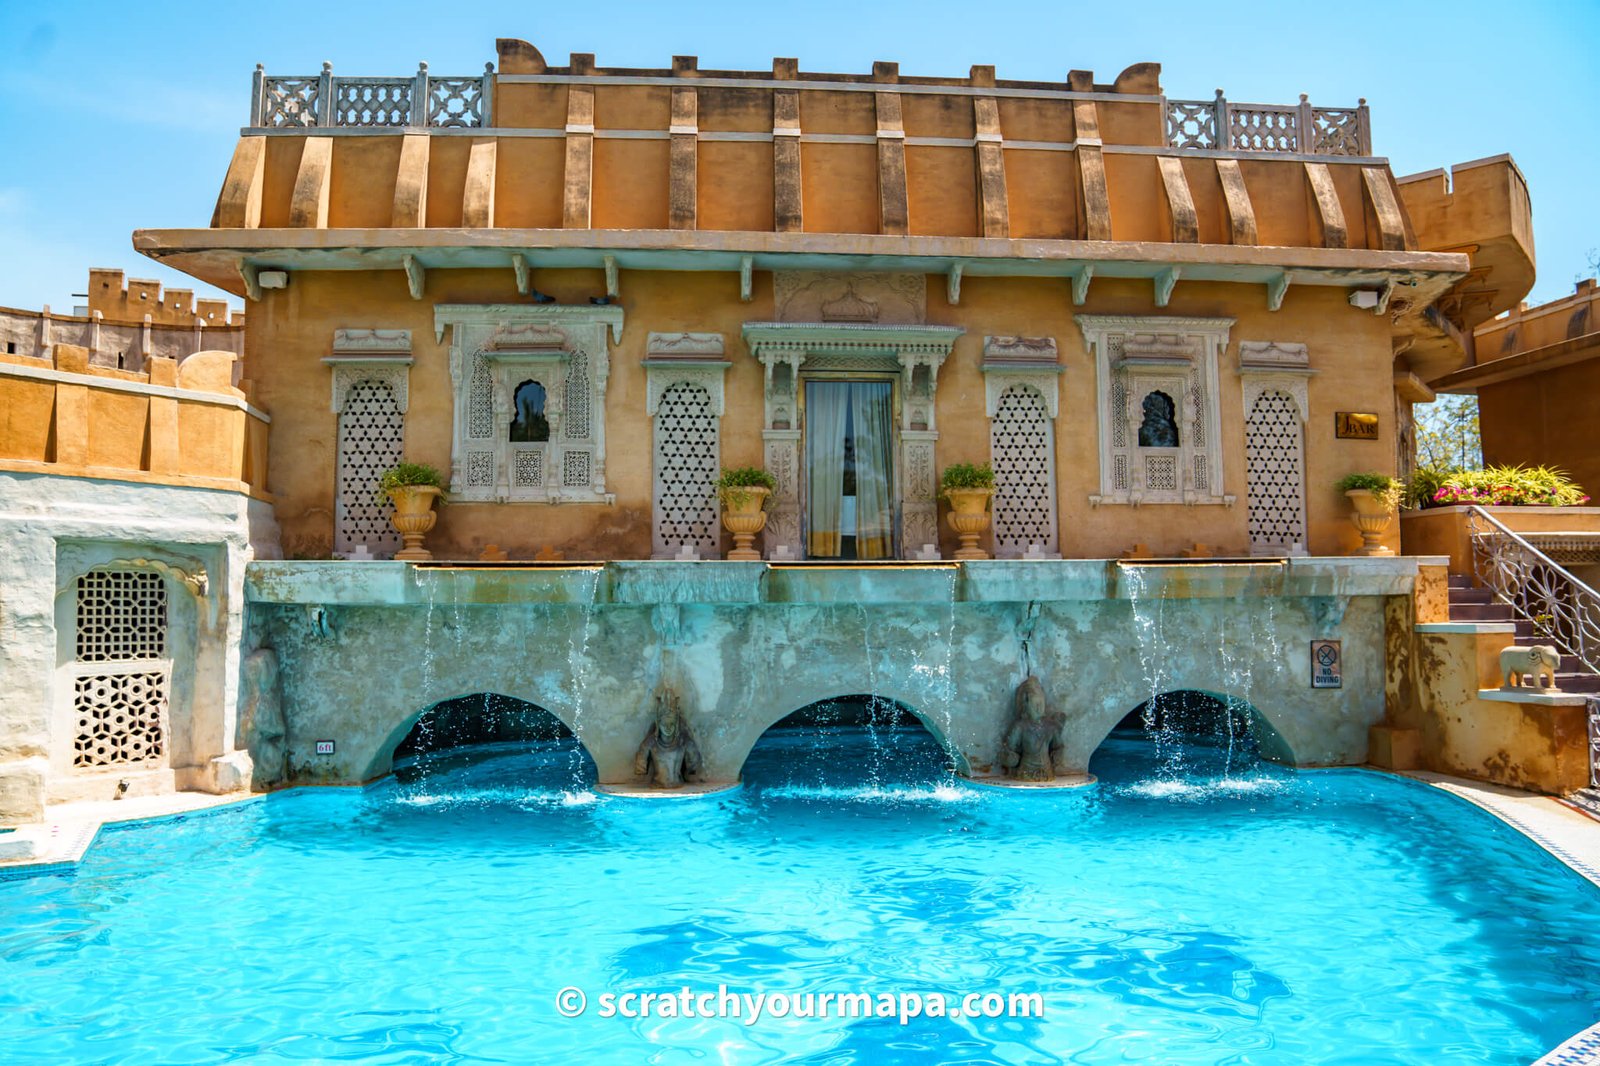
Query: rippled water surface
(1218, 916)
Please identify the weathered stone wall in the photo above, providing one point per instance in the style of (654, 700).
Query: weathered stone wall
(365, 649)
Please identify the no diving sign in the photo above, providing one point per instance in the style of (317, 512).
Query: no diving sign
(1325, 664)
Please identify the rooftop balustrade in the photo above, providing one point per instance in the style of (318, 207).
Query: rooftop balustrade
(1300, 128)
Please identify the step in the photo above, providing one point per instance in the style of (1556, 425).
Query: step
(1482, 612)
(1471, 596)
(1586, 683)
(1459, 581)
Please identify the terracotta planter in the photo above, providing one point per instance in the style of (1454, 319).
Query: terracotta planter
(413, 516)
(1371, 514)
(743, 516)
(969, 517)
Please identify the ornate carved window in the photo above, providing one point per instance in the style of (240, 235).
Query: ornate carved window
(1274, 387)
(122, 676)
(684, 394)
(530, 386)
(371, 369)
(1160, 427)
(1021, 398)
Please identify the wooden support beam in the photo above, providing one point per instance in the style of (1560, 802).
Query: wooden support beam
(994, 209)
(1276, 289)
(519, 263)
(787, 213)
(952, 290)
(683, 168)
(410, 209)
(1180, 202)
(893, 213)
(477, 194)
(239, 203)
(747, 278)
(416, 278)
(308, 207)
(1236, 198)
(1386, 215)
(577, 190)
(1166, 281)
(1325, 202)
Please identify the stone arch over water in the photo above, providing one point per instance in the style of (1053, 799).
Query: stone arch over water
(757, 726)
(474, 718)
(1197, 714)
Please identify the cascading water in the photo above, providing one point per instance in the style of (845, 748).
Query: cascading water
(581, 669)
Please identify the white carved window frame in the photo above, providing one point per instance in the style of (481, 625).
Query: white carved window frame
(695, 360)
(377, 355)
(1284, 367)
(1033, 363)
(1139, 354)
(512, 344)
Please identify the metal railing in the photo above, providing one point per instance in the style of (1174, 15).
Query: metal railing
(328, 102)
(1300, 128)
(1563, 610)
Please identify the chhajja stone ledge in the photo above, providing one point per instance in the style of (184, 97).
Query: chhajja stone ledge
(636, 582)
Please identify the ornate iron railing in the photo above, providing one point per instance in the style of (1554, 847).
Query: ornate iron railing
(1300, 128)
(1564, 611)
(325, 101)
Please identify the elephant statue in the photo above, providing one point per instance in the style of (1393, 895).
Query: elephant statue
(1540, 661)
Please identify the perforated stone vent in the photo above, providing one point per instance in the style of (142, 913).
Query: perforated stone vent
(122, 674)
(1275, 474)
(371, 428)
(686, 462)
(122, 614)
(1021, 447)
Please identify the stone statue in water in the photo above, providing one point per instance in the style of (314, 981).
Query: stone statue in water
(1031, 749)
(669, 757)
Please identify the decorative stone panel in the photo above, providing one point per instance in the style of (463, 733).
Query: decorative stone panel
(1144, 366)
(496, 348)
(122, 674)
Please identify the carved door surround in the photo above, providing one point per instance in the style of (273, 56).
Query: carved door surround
(494, 348)
(913, 353)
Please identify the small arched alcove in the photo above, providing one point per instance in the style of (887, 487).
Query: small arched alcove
(1193, 732)
(529, 745)
(850, 742)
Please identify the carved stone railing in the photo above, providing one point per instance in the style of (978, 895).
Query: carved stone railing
(1565, 612)
(1299, 128)
(328, 102)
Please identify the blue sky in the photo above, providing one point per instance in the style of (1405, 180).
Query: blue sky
(120, 116)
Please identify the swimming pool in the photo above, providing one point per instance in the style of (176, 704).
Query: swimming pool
(1262, 916)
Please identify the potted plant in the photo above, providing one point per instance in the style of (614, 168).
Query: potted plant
(1373, 500)
(412, 488)
(744, 492)
(969, 488)
(1524, 499)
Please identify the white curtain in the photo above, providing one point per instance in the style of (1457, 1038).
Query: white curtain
(826, 409)
(872, 417)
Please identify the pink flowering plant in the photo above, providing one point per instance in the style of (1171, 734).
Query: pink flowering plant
(1496, 486)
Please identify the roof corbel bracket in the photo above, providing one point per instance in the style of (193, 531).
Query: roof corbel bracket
(519, 263)
(1383, 298)
(249, 272)
(747, 278)
(416, 277)
(612, 290)
(953, 284)
(1276, 289)
(1080, 283)
(1166, 281)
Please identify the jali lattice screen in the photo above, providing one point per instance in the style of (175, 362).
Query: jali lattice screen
(122, 674)
(1021, 446)
(686, 459)
(370, 436)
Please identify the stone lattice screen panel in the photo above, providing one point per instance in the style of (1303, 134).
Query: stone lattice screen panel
(122, 674)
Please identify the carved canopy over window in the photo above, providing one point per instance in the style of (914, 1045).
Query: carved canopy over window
(530, 387)
(1160, 430)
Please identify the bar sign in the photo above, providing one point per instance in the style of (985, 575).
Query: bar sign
(324, 747)
(1325, 664)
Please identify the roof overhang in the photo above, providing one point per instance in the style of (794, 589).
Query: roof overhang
(1521, 364)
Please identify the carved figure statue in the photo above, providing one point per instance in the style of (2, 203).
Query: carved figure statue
(669, 757)
(1540, 660)
(1032, 748)
(262, 727)
(1160, 426)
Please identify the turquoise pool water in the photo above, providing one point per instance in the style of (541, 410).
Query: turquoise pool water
(1242, 917)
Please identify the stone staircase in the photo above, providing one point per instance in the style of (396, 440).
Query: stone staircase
(1473, 604)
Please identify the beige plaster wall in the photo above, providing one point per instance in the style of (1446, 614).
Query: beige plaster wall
(291, 330)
